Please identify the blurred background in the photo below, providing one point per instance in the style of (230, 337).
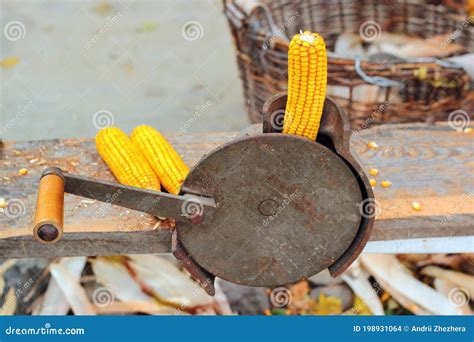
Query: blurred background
(128, 58)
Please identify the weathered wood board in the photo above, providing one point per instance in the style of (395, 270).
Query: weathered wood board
(429, 164)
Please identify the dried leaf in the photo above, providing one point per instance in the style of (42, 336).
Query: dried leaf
(455, 294)
(116, 277)
(279, 312)
(324, 278)
(54, 302)
(2, 284)
(342, 292)
(168, 282)
(358, 281)
(300, 291)
(3, 268)
(361, 308)
(72, 290)
(131, 307)
(396, 299)
(221, 300)
(6, 265)
(466, 281)
(396, 279)
(9, 305)
(326, 305)
(452, 261)
(413, 258)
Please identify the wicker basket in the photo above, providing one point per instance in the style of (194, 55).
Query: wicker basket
(405, 90)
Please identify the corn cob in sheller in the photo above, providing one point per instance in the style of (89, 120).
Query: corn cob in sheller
(125, 159)
(165, 161)
(307, 79)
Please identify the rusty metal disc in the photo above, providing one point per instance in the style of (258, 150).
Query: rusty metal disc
(287, 208)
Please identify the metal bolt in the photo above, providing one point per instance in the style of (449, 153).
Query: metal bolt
(268, 207)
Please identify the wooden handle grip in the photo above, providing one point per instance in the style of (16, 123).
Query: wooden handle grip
(49, 216)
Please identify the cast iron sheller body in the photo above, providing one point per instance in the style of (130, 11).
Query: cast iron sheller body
(265, 209)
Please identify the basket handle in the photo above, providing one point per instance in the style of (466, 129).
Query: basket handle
(375, 80)
(276, 32)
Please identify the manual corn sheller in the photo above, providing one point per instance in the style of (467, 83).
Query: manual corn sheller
(265, 209)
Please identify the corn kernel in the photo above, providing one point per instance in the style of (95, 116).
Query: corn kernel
(23, 172)
(372, 144)
(373, 172)
(468, 130)
(386, 184)
(3, 203)
(373, 182)
(416, 206)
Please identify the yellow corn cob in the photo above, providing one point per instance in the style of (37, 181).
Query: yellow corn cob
(307, 79)
(125, 159)
(165, 161)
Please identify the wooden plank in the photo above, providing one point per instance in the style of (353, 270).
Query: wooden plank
(430, 164)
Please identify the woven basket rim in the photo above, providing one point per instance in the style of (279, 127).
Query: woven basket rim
(449, 12)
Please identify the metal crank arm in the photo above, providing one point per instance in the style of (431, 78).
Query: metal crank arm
(54, 183)
(156, 203)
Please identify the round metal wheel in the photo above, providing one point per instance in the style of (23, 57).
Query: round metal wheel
(287, 208)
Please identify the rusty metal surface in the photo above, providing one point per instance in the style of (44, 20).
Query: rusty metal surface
(157, 203)
(287, 208)
(204, 278)
(428, 163)
(334, 133)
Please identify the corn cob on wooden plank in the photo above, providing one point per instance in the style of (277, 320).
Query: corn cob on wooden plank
(125, 159)
(307, 80)
(165, 161)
